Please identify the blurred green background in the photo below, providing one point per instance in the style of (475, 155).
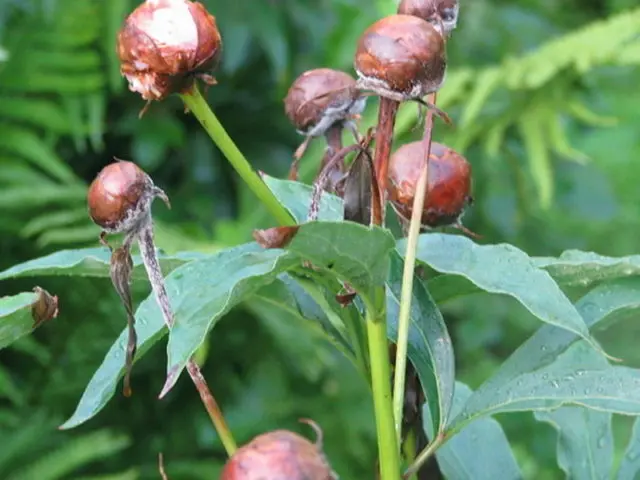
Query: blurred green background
(546, 103)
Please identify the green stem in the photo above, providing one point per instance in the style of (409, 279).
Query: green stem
(424, 455)
(388, 449)
(407, 281)
(196, 103)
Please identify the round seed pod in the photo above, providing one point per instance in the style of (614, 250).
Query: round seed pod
(442, 14)
(119, 198)
(448, 188)
(165, 44)
(320, 98)
(401, 57)
(279, 455)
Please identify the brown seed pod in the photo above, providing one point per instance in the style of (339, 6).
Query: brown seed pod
(320, 98)
(165, 44)
(279, 455)
(448, 190)
(120, 196)
(442, 14)
(401, 57)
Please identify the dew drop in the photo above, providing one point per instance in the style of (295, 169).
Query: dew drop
(555, 384)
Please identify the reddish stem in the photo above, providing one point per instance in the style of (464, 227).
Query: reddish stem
(334, 143)
(384, 140)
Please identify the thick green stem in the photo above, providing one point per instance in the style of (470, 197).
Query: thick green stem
(196, 103)
(388, 449)
(407, 281)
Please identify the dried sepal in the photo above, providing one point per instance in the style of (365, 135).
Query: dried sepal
(121, 268)
(361, 194)
(276, 237)
(44, 308)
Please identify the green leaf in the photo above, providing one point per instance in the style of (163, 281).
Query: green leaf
(630, 465)
(150, 328)
(502, 269)
(296, 198)
(280, 305)
(585, 441)
(545, 373)
(429, 349)
(351, 252)
(208, 289)
(15, 317)
(577, 268)
(88, 262)
(480, 451)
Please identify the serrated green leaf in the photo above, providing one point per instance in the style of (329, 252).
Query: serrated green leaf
(296, 198)
(89, 262)
(15, 317)
(585, 441)
(630, 465)
(429, 349)
(209, 289)
(150, 328)
(502, 269)
(537, 376)
(480, 451)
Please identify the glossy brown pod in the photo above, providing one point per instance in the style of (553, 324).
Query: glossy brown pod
(442, 14)
(278, 455)
(116, 195)
(401, 57)
(320, 98)
(449, 186)
(165, 44)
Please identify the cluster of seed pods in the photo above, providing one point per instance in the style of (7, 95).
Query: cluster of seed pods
(399, 58)
(165, 46)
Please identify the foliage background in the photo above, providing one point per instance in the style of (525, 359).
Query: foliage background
(551, 131)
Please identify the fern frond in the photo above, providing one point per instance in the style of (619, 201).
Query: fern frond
(72, 455)
(52, 85)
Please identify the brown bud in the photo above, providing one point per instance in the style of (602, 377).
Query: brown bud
(120, 196)
(44, 308)
(320, 98)
(442, 14)
(275, 237)
(165, 44)
(279, 455)
(448, 189)
(401, 57)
